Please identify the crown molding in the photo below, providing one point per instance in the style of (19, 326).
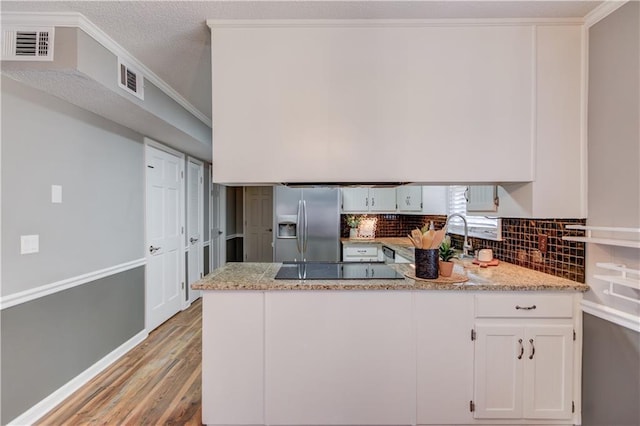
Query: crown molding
(373, 23)
(75, 19)
(602, 11)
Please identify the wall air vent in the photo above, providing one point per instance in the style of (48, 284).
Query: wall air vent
(130, 80)
(27, 44)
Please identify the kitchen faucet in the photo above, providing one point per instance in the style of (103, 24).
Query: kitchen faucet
(465, 245)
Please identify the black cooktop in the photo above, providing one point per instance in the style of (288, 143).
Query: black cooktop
(337, 271)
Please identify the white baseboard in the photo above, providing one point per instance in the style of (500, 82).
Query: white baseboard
(43, 407)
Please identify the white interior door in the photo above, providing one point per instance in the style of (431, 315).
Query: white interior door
(195, 210)
(164, 223)
(215, 247)
(258, 232)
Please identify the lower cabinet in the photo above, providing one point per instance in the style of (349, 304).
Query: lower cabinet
(390, 358)
(233, 358)
(362, 252)
(445, 357)
(339, 358)
(524, 365)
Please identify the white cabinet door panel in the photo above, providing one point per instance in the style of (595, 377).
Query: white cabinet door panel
(233, 354)
(523, 372)
(383, 199)
(355, 199)
(339, 358)
(548, 376)
(444, 357)
(409, 198)
(499, 354)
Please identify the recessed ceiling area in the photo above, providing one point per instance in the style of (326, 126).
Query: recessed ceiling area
(172, 39)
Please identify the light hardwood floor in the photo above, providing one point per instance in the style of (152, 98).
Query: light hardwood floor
(156, 383)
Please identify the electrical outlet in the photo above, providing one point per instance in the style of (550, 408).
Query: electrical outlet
(542, 243)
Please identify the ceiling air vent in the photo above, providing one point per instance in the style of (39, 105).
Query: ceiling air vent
(130, 80)
(27, 44)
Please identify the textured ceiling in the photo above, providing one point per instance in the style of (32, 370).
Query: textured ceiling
(171, 37)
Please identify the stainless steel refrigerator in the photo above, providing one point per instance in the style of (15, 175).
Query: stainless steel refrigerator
(307, 224)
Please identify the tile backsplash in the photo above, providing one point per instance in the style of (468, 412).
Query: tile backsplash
(519, 245)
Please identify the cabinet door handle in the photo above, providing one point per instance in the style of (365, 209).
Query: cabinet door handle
(533, 349)
(526, 308)
(373, 201)
(521, 349)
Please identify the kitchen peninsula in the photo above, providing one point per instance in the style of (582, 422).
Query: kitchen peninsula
(501, 348)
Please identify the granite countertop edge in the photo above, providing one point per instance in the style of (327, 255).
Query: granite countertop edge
(505, 277)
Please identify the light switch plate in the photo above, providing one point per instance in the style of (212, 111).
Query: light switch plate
(29, 244)
(56, 194)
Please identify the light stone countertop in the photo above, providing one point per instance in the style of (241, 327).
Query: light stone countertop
(504, 277)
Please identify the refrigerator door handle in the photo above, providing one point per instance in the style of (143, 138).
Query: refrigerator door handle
(299, 228)
(305, 235)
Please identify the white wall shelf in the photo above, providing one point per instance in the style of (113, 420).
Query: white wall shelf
(622, 279)
(589, 238)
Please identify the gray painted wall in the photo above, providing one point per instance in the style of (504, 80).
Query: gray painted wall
(99, 164)
(85, 73)
(48, 341)
(611, 353)
(611, 379)
(614, 141)
(100, 224)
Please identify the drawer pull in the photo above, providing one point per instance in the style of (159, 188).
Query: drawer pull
(525, 308)
(521, 349)
(533, 349)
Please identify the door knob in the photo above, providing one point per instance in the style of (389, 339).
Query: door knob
(192, 240)
(269, 230)
(153, 249)
(219, 232)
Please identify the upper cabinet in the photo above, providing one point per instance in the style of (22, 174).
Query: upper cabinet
(344, 101)
(484, 102)
(369, 199)
(409, 198)
(559, 187)
(482, 199)
(383, 199)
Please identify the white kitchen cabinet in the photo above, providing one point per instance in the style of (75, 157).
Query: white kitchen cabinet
(355, 200)
(233, 347)
(409, 198)
(559, 188)
(383, 199)
(354, 252)
(435, 199)
(391, 357)
(524, 357)
(339, 358)
(444, 357)
(373, 200)
(482, 199)
(368, 100)
(355, 270)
